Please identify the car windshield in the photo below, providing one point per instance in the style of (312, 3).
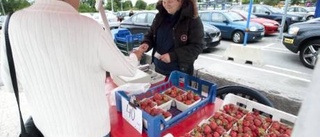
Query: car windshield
(273, 9)
(245, 14)
(311, 9)
(234, 16)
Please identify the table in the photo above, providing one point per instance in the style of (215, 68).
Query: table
(121, 128)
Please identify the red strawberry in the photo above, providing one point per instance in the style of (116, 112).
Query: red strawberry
(206, 129)
(157, 96)
(196, 97)
(179, 98)
(213, 125)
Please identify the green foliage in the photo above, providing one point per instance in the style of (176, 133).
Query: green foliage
(293, 2)
(84, 7)
(127, 5)
(267, 2)
(271, 2)
(151, 7)
(13, 5)
(141, 5)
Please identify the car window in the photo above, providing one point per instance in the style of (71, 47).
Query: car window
(246, 8)
(291, 9)
(205, 16)
(218, 17)
(260, 9)
(139, 18)
(302, 10)
(150, 18)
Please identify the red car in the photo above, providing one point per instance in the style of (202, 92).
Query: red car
(270, 26)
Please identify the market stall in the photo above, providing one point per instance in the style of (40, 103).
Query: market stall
(227, 115)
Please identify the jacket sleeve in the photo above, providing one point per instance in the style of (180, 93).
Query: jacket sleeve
(148, 37)
(187, 54)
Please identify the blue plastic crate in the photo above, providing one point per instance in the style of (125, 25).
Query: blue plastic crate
(182, 81)
(121, 35)
(125, 36)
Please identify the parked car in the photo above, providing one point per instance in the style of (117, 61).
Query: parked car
(270, 26)
(140, 23)
(307, 12)
(232, 25)
(269, 12)
(304, 38)
(122, 15)
(112, 19)
(2, 19)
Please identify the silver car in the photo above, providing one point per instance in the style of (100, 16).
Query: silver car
(307, 12)
(2, 19)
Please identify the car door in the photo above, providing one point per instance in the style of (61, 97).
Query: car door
(262, 12)
(221, 22)
(137, 23)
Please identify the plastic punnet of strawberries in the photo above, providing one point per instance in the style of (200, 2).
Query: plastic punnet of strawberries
(158, 111)
(252, 125)
(278, 129)
(206, 130)
(188, 98)
(174, 92)
(160, 98)
(146, 104)
(234, 111)
(221, 119)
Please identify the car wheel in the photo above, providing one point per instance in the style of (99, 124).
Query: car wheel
(309, 53)
(237, 37)
(310, 17)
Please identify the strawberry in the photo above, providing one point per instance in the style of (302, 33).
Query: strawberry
(196, 97)
(207, 129)
(213, 125)
(216, 134)
(157, 96)
(188, 102)
(179, 98)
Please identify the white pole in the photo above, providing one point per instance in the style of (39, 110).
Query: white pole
(284, 18)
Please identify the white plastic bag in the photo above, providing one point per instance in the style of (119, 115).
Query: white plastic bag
(130, 89)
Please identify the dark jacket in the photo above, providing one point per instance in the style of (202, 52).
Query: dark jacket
(188, 35)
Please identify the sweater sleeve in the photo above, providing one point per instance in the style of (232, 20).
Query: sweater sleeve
(111, 58)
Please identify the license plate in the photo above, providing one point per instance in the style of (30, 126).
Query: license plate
(287, 40)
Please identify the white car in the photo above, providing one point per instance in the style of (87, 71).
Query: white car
(112, 19)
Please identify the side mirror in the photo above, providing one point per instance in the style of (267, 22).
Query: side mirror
(225, 21)
(267, 12)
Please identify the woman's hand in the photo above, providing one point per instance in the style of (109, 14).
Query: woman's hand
(165, 58)
(143, 47)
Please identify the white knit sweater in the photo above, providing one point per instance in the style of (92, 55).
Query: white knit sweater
(61, 58)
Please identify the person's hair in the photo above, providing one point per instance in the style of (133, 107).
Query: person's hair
(185, 4)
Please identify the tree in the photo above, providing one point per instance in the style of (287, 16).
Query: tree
(14, 5)
(84, 7)
(127, 5)
(271, 2)
(293, 2)
(141, 5)
(151, 7)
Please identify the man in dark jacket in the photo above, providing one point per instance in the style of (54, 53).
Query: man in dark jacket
(176, 36)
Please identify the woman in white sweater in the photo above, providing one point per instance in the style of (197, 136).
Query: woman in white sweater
(61, 59)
